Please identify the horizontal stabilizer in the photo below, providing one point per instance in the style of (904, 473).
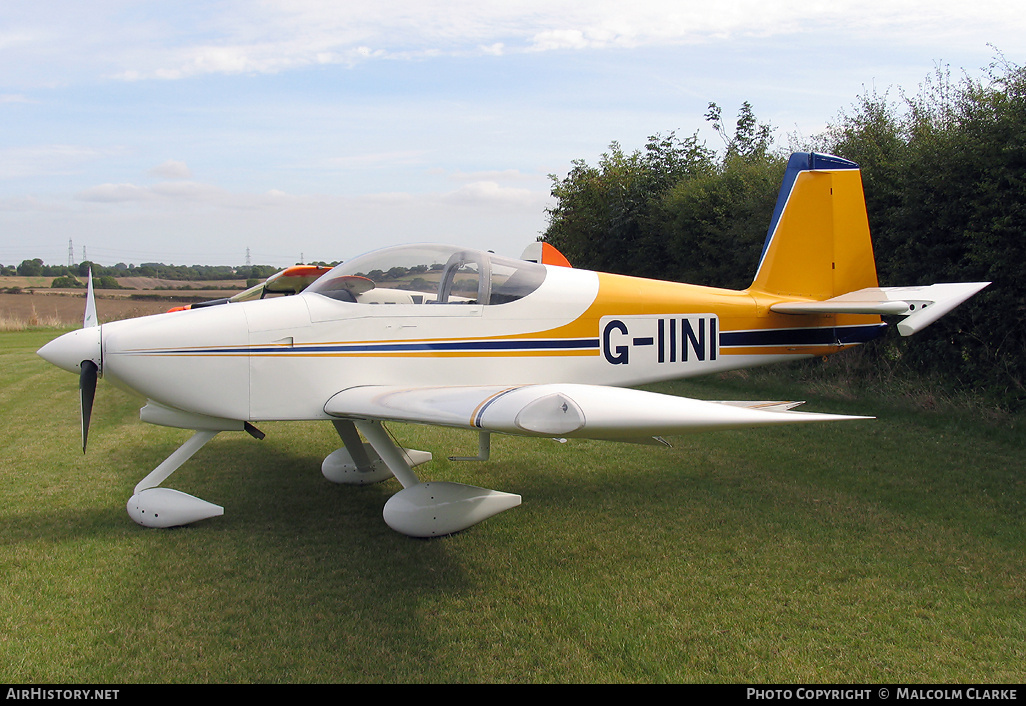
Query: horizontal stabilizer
(561, 410)
(920, 306)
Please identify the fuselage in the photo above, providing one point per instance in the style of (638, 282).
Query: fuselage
(283, 358)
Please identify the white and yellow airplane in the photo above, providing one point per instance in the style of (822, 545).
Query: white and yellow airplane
(447, 336)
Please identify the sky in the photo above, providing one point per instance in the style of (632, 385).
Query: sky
(222, 132)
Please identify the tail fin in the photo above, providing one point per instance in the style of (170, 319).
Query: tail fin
(818, 244)
(818, 248)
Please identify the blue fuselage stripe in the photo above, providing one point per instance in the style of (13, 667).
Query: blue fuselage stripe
(845, 335)
(437, 346)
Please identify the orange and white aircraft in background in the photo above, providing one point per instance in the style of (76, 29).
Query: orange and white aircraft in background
(442, 335)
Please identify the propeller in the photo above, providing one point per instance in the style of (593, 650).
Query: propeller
(87, 392)
(90, 371)
(81, 352)
(89, 319)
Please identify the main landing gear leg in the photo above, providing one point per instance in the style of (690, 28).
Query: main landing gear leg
(357, 463)
(430, 509)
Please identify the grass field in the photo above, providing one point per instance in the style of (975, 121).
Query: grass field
(891, 550)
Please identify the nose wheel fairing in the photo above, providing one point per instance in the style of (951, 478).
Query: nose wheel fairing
(164, 507)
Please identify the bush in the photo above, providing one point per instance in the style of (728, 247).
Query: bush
(66, 282)
(944, 173)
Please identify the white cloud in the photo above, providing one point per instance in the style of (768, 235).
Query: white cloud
(554, 39)
(174, 195)
(490, 193)
(159, 40)
(171, 169)
(201, 223)
(45, 160)
(411, 145)
(116, 193)
(374, 160)
(506, 176)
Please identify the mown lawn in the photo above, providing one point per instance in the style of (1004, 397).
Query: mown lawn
(891, 550)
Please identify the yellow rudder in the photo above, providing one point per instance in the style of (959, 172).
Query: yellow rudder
(818, 245)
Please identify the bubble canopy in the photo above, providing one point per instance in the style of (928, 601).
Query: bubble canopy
(430, 274)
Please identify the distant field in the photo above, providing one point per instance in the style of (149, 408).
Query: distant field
(67, 310)
(37, 304)
(886, 551)
(128, 282)
(61, 307)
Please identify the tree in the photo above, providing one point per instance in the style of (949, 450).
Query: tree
(30, 268)
(751, 140)
(604, 216)
(945, 178)
(673, 211)
(715, 225)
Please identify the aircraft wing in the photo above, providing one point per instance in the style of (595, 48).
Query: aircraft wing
(920, 306)
(561, 410)
(291, 280)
